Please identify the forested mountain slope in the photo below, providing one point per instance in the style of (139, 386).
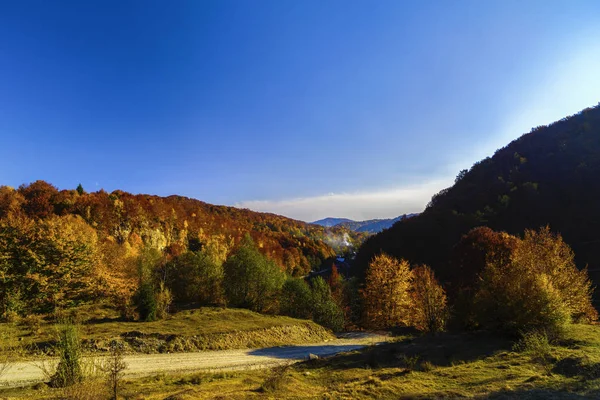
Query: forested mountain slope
(550, 176)
(175, 223)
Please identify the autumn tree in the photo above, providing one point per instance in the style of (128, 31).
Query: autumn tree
(10, 201)
(430, 311)
(336, 284)
(386, 295)
(38, 199)
(539, 288)
(251, 280)
(479, 247)
(51, 261)
(546, 253)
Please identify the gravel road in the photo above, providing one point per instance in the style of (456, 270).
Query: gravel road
(29, 372)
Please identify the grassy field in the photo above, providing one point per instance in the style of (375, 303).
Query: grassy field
(191, 330)
(446, 366)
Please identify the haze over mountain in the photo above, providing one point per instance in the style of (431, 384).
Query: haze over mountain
(546, 177)
(369, 226)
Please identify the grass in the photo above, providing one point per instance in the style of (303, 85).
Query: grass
(446, 366)
(198, 329)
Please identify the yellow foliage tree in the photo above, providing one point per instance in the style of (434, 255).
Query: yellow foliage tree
(538, 288)
(386, 296)
(430, 309)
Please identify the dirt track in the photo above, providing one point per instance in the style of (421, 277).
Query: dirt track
(23, 373)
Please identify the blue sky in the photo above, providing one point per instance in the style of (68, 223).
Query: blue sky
(303, 108)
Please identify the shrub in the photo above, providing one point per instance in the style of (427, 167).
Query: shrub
(429, 301)
(68, 371)
(113, 367)
(536, 344)
(164, 298)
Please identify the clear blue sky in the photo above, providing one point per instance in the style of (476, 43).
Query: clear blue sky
(304, 108)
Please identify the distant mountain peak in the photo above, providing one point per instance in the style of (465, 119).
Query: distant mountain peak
(368, 226)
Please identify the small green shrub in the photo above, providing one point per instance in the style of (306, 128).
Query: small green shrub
(537, 345)
(69, 370)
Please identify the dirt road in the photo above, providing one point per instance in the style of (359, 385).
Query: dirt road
(23, 373)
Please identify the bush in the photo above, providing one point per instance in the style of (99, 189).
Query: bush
(164, 298)
(429, 301)
(536, 344)
(68, 371)
(113, 367)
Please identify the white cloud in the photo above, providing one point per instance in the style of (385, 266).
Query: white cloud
(384, 203)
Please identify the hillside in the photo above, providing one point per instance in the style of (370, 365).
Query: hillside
(176, 223)
(368, 226)
(546, 177)
(329, 222)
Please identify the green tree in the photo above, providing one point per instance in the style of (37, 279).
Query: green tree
(326, 311)
(195, 277)
(80, 189)
(146, 304)
(251, 280)
(296, 299)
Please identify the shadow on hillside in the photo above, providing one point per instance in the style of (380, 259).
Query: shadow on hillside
(441, 350)
(302, 352)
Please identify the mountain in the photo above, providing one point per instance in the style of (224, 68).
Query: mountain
(177, 223)
(369, 226)
(329, 222)
(549, 176)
